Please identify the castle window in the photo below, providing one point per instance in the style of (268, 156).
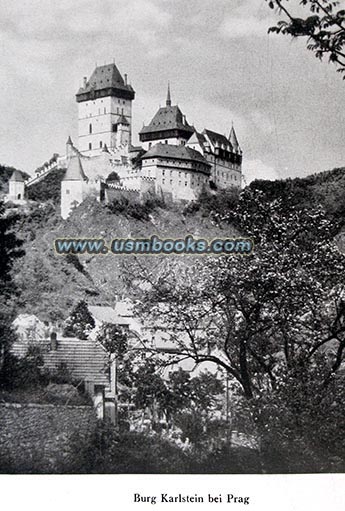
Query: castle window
(179, 183)
(185, 183)
(101, 144)
(90, 146)
(90, 128)
(150, 144)
(114, 128)
(163, 181)
(163, 172)
(166, 141)
(19, 196)
(105, 110)
(171, 181)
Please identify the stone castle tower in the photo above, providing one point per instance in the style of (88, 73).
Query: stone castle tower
(104, 111)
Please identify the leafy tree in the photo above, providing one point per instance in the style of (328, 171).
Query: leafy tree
(245, 314)
(261, 316)
(10, 250)
(80, 322)
(324, 27)
(113, 338)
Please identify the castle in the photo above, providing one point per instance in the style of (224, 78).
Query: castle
(175, 161)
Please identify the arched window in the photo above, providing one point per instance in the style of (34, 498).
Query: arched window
(101, 144)
(90, 128)
(19, 196)
(90, 146)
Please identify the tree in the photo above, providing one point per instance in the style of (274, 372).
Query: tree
(245, 314)
(80, 322)
(10, 250)
(324, 28)
(266, 318)
(113, 338)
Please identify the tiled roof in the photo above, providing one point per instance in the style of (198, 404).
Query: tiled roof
(104, 77)
(168, 118)
(17, 176)
(85, 360)
(74, 170)
(178, 152)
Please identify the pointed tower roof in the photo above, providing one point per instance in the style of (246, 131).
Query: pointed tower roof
(105, 149)
(69, 141)
(168, 102)
(17, 176)
(74, 170)
(233, 139)
(123, 120)
(169, 121)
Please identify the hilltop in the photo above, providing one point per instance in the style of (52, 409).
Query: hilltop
(53, 284)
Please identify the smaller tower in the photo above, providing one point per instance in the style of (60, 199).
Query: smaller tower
(16, 186)
(123, 132)
(73, 186)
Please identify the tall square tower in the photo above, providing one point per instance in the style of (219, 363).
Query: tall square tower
(104, 111)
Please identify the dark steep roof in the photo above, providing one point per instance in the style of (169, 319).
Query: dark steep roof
(74, 170)
(168, 118)
(217, 138)
(233, 139)
(178, 152)
(105, 78)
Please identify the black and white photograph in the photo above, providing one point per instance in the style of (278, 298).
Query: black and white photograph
(172, 252)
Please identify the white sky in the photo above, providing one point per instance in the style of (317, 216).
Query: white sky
(287, 107)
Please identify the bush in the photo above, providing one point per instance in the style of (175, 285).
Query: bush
(134, 208)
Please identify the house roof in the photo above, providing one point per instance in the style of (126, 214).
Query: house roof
(103, 313)
(74, 170)
(17, 176)
(105, 77)
(168, 118)
(178, 152)
(85, 359)
(217, 139)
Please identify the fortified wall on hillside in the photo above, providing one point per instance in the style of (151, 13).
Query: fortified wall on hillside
(174, 160)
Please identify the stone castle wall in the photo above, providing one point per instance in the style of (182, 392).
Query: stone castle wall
(43, 438)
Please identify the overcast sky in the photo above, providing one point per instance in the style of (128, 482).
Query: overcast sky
(286, 106)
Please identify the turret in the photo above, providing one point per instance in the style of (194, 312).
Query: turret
(72, 186)
(16, 186)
